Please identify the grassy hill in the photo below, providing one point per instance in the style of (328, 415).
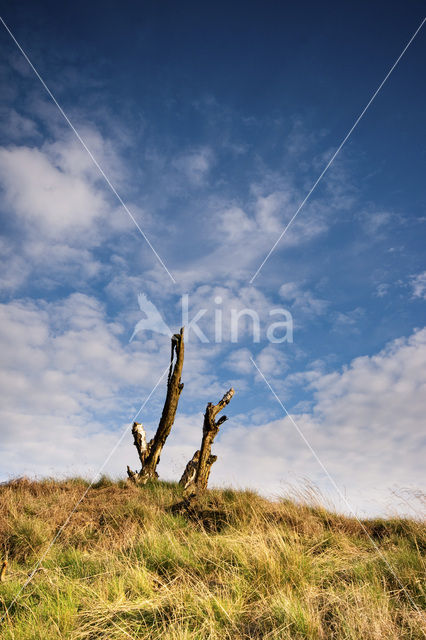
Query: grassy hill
(126, 567)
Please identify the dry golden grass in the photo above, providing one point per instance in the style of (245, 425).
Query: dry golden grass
(126, 567)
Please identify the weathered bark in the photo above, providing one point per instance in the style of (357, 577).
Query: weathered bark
(142, 446)
(149, 453)
(188, 476)
(196, 484)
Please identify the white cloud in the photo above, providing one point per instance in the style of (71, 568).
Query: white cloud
(195, 165)
(44, 196)
(14, 267)
(60, 212)
(66, 356)
(349, 320)
(418, 285)
(57, 197)
(249, 305)
(238, 240)
(382, 289)
(302, 299)
(239, 361)
(376, 221)
(367, 427)
(234, 223)
(17, 127)
(272, 360)
(269, 208)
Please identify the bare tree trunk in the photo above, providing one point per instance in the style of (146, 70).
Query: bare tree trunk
(196, 483)
(188, 476)
(149, 453)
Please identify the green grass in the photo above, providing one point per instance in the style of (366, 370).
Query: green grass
(126, 567)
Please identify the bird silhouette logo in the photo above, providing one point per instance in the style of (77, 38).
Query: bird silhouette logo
(153, 320)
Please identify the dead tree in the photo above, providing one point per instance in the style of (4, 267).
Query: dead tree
(196, 475)
(188, 476)
(149, 452)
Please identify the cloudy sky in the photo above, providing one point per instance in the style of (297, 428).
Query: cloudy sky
(203, 127)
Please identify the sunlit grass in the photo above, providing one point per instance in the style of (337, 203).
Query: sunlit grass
(125, 566)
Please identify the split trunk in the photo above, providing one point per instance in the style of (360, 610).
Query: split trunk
(149, 452)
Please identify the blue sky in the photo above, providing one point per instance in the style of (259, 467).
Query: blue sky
(213, 122)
